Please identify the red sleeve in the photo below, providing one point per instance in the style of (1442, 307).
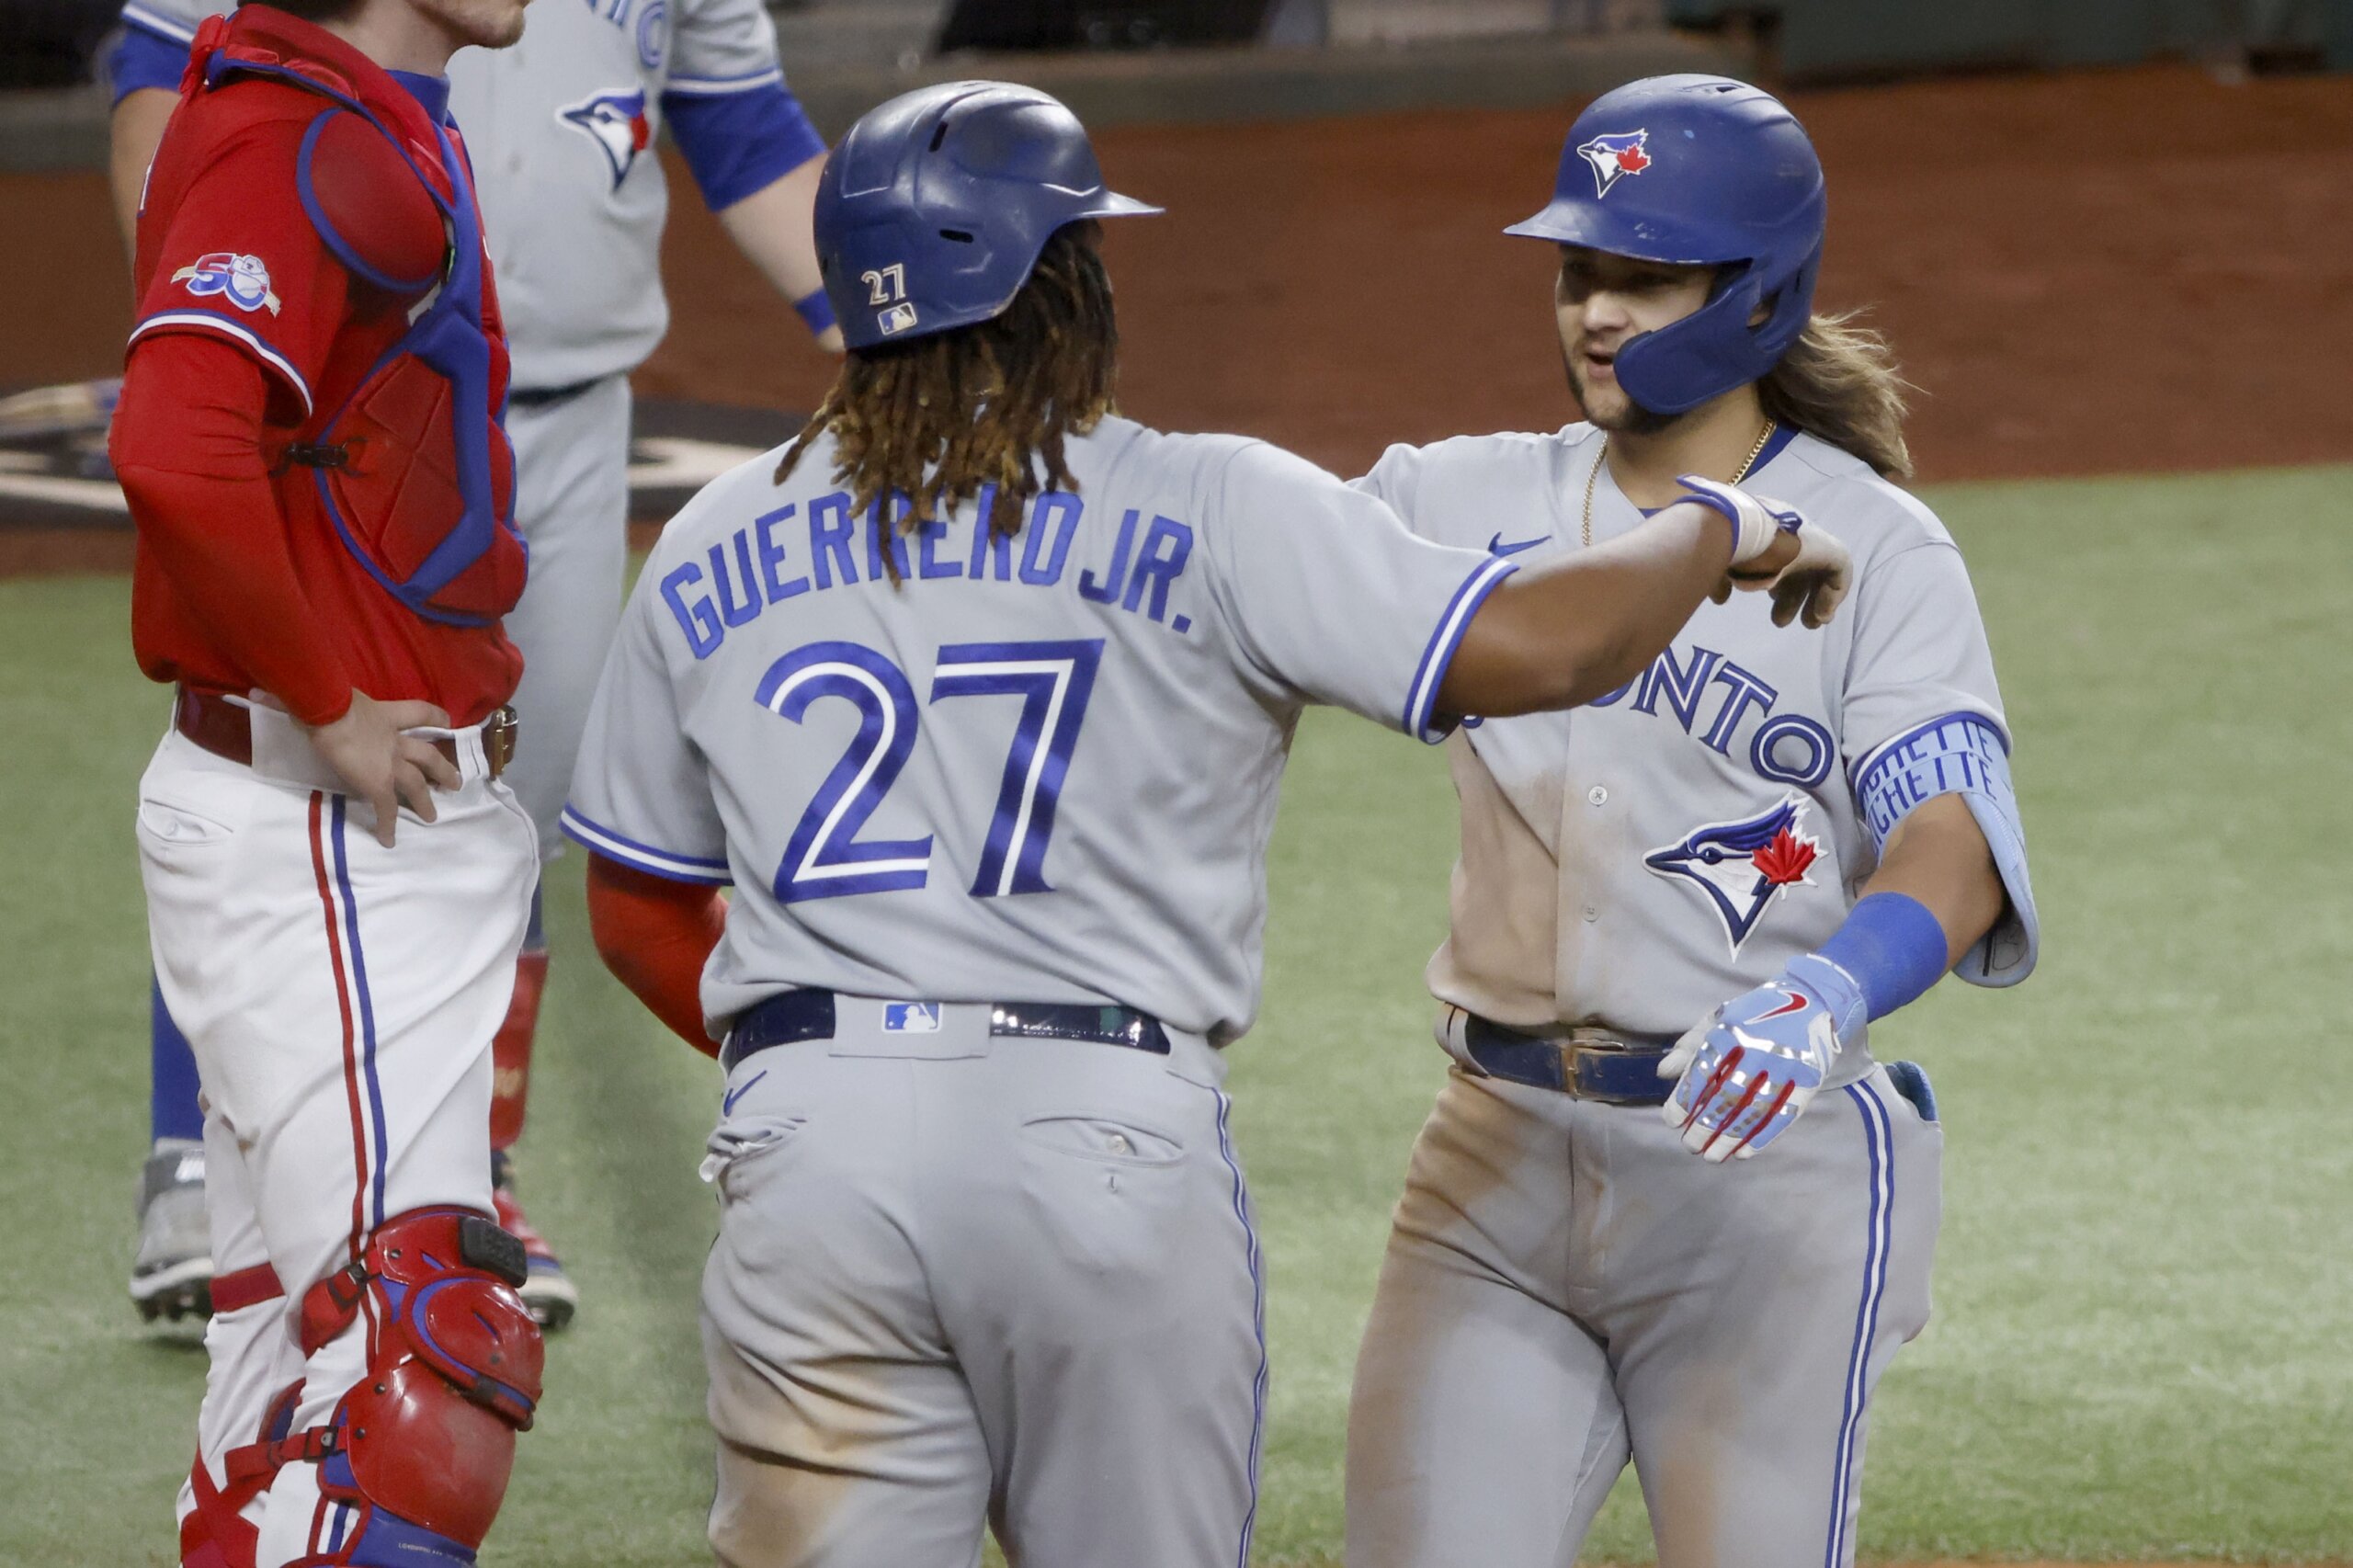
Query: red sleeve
(186, 446)
(656, 935)
(240, 260)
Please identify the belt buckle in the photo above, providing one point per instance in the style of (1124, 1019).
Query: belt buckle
(1581, 1043)
(499, 735)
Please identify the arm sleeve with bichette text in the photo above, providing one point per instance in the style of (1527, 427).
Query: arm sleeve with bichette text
(1922, 716)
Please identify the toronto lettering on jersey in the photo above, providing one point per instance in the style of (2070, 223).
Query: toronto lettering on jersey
(1787, 748)
(798, 549)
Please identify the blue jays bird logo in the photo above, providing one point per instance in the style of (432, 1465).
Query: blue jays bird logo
(615, 121)
(1741, 866)
(1615, 157)
(241, 281)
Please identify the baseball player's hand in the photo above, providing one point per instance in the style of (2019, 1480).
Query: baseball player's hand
(1810, 586)
(1748, 1069)
(1775, 549)
(385, 767)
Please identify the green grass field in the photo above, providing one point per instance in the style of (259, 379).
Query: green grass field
(2142, 1347)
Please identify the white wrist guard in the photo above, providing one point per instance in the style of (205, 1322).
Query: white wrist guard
(1756, 520)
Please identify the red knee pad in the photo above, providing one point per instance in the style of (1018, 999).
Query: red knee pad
(428, 1433)
(434, 1450)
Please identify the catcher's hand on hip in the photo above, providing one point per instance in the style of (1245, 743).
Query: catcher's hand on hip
(1750, 1068)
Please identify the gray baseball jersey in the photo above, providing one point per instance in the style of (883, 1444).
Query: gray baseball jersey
(1036, 769)
(1635, 862)
(1566, 1287)
(560, 128)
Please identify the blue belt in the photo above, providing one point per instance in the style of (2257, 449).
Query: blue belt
(1586, 1066)
(791, 1017)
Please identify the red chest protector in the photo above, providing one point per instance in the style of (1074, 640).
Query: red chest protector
(411, 465)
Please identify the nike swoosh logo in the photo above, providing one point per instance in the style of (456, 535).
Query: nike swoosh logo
(727, 1101)
(1796, 1004)
(1496, 546)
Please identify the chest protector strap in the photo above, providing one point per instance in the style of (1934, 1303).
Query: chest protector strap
(417, 477)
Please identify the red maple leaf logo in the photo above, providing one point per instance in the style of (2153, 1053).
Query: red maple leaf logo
(1633, 161)
(1784, 860)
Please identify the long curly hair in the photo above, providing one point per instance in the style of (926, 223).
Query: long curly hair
(941, 418)
(1839, 382)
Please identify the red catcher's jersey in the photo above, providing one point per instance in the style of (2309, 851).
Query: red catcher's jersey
(317, 297)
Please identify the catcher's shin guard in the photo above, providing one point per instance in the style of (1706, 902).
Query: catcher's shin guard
(421, 1447)
(510, 1049)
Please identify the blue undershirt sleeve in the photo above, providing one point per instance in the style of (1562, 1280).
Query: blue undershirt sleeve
(144, 58)
(739, 143)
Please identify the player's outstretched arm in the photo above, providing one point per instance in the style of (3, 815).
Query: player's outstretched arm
(1563, 634)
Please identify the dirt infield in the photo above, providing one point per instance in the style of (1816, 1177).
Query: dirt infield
(2091, 273)
(2086, 274)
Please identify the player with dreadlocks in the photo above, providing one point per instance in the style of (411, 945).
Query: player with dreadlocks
(979, 695)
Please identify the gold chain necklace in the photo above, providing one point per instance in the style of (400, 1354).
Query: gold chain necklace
(1593, 474)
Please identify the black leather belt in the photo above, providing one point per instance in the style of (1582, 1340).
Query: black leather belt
(1586, 1064)
(544, 397)
(791, 1017)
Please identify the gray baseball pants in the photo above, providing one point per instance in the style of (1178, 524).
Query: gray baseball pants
(571, 504)
(961, 1278)
(1567, 1287)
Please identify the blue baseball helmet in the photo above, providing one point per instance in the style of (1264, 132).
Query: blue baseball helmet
(935, 206)
(1700, 171)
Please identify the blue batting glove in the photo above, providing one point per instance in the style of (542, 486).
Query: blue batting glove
(1747, 1071)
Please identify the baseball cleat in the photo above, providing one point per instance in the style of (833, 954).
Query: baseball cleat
(171, 1277)
(547, 1291)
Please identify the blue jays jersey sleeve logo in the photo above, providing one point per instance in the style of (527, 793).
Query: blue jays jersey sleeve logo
(615, 121)
(1614, 157)
(1741, 866)
(241, 281)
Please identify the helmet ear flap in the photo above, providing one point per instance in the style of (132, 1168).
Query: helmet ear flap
(1716, 348)
(1792, 307)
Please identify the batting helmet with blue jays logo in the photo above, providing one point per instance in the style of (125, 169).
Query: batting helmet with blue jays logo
(936, 205)
(1698, 171)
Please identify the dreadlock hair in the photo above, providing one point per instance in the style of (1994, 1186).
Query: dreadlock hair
(1839, 382)
(940, 418)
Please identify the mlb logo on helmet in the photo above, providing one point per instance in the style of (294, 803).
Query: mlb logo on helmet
(895, 320)
(243, 280)
(1615, 157)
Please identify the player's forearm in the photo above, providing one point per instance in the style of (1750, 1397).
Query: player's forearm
(773, 228)
(186, 446)
(1559, 635)
(1938, 854)
(656, 935)
(137, 131)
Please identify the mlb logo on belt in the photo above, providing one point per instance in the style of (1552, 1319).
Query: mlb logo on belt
(911, 1017)
(1615, 157)
(1740, 867)
(241, 281)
